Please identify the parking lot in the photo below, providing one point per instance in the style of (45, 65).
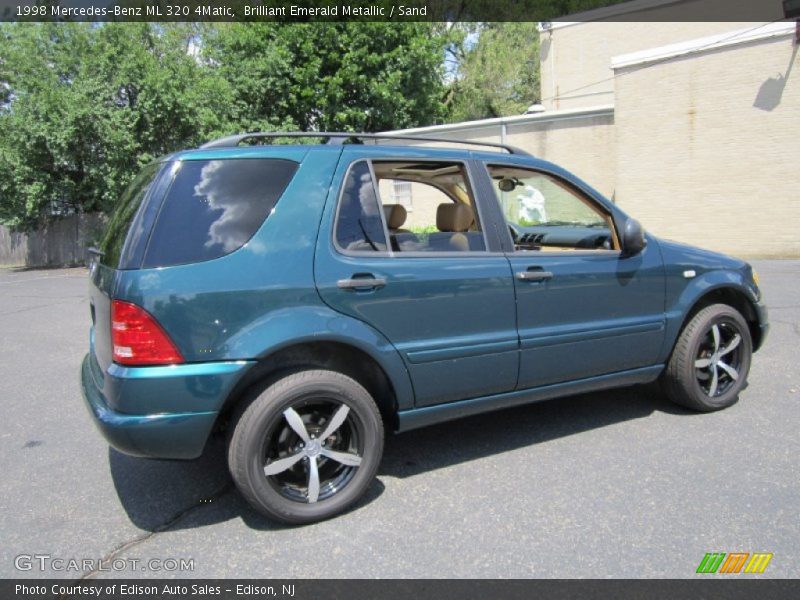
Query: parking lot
(615, 484)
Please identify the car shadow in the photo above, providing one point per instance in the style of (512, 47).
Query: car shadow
(158, 495)
(471, 438)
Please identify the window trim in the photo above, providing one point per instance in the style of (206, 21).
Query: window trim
(581, 194)
(390, 252)
(384, 224)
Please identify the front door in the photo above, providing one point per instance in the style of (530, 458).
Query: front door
(402, 248)
(583, 308)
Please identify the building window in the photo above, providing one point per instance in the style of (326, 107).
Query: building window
(401, 194)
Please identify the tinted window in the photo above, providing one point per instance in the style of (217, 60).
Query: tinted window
(114, 237)
(359, 226)
(214, 207)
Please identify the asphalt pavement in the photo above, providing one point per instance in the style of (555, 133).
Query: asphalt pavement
(614, 484)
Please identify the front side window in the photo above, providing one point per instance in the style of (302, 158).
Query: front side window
(214, 207)
(545, 213)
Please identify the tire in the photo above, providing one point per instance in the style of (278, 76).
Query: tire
(711, 359)
(275, 474)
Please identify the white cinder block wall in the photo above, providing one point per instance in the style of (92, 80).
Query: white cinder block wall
(708, 146)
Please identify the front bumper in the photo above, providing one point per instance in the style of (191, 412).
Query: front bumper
(763, 325)
(145, 411)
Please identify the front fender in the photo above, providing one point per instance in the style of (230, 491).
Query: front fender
(681, 301)
(283, 328)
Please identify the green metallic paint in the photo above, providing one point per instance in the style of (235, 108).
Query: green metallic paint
(157, 435)
(444, 330)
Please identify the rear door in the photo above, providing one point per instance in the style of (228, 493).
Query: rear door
(435, 285)
(583, 308)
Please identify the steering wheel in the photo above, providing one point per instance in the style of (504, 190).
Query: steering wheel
(516, 234)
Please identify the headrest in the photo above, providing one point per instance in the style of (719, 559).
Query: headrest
(454, 217)
(395, 215)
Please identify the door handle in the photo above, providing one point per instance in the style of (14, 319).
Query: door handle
(537, 275)
(361, 283)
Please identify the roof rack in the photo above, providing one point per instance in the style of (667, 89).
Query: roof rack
(343, 137)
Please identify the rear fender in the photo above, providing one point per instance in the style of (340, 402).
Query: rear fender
(283, 328)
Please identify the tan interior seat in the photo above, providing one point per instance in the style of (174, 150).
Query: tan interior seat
(395, 217)
(456, 220)
(454, 217)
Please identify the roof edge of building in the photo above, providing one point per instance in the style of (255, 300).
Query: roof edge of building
(554, 115)
(704, 44)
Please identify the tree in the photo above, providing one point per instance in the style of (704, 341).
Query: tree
(331, 76)
(493, 67)
(87, 105)
(84, 106)
(497, 75)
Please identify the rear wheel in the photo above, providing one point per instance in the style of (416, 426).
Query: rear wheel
(307, 447)
(711, 360)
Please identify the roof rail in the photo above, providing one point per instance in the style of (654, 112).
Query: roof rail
(343, 137)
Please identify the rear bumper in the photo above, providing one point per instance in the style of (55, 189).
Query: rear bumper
(163, 428)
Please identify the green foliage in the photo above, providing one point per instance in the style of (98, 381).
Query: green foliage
(498, 75)
(332, 76)
(424, 230)
(84, 106)
(494, 66)
(89, 106)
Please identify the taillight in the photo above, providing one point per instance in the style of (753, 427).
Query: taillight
(138, 339)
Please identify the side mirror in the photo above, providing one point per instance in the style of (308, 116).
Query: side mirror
(633, 241)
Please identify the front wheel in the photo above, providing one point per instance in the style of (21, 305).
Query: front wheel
(711, 360)
(307, 447)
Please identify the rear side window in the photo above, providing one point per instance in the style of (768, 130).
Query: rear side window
(121, 219)
(359, 226)
(214, 207)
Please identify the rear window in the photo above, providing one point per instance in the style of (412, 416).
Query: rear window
(114, 237)
(214, 207)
